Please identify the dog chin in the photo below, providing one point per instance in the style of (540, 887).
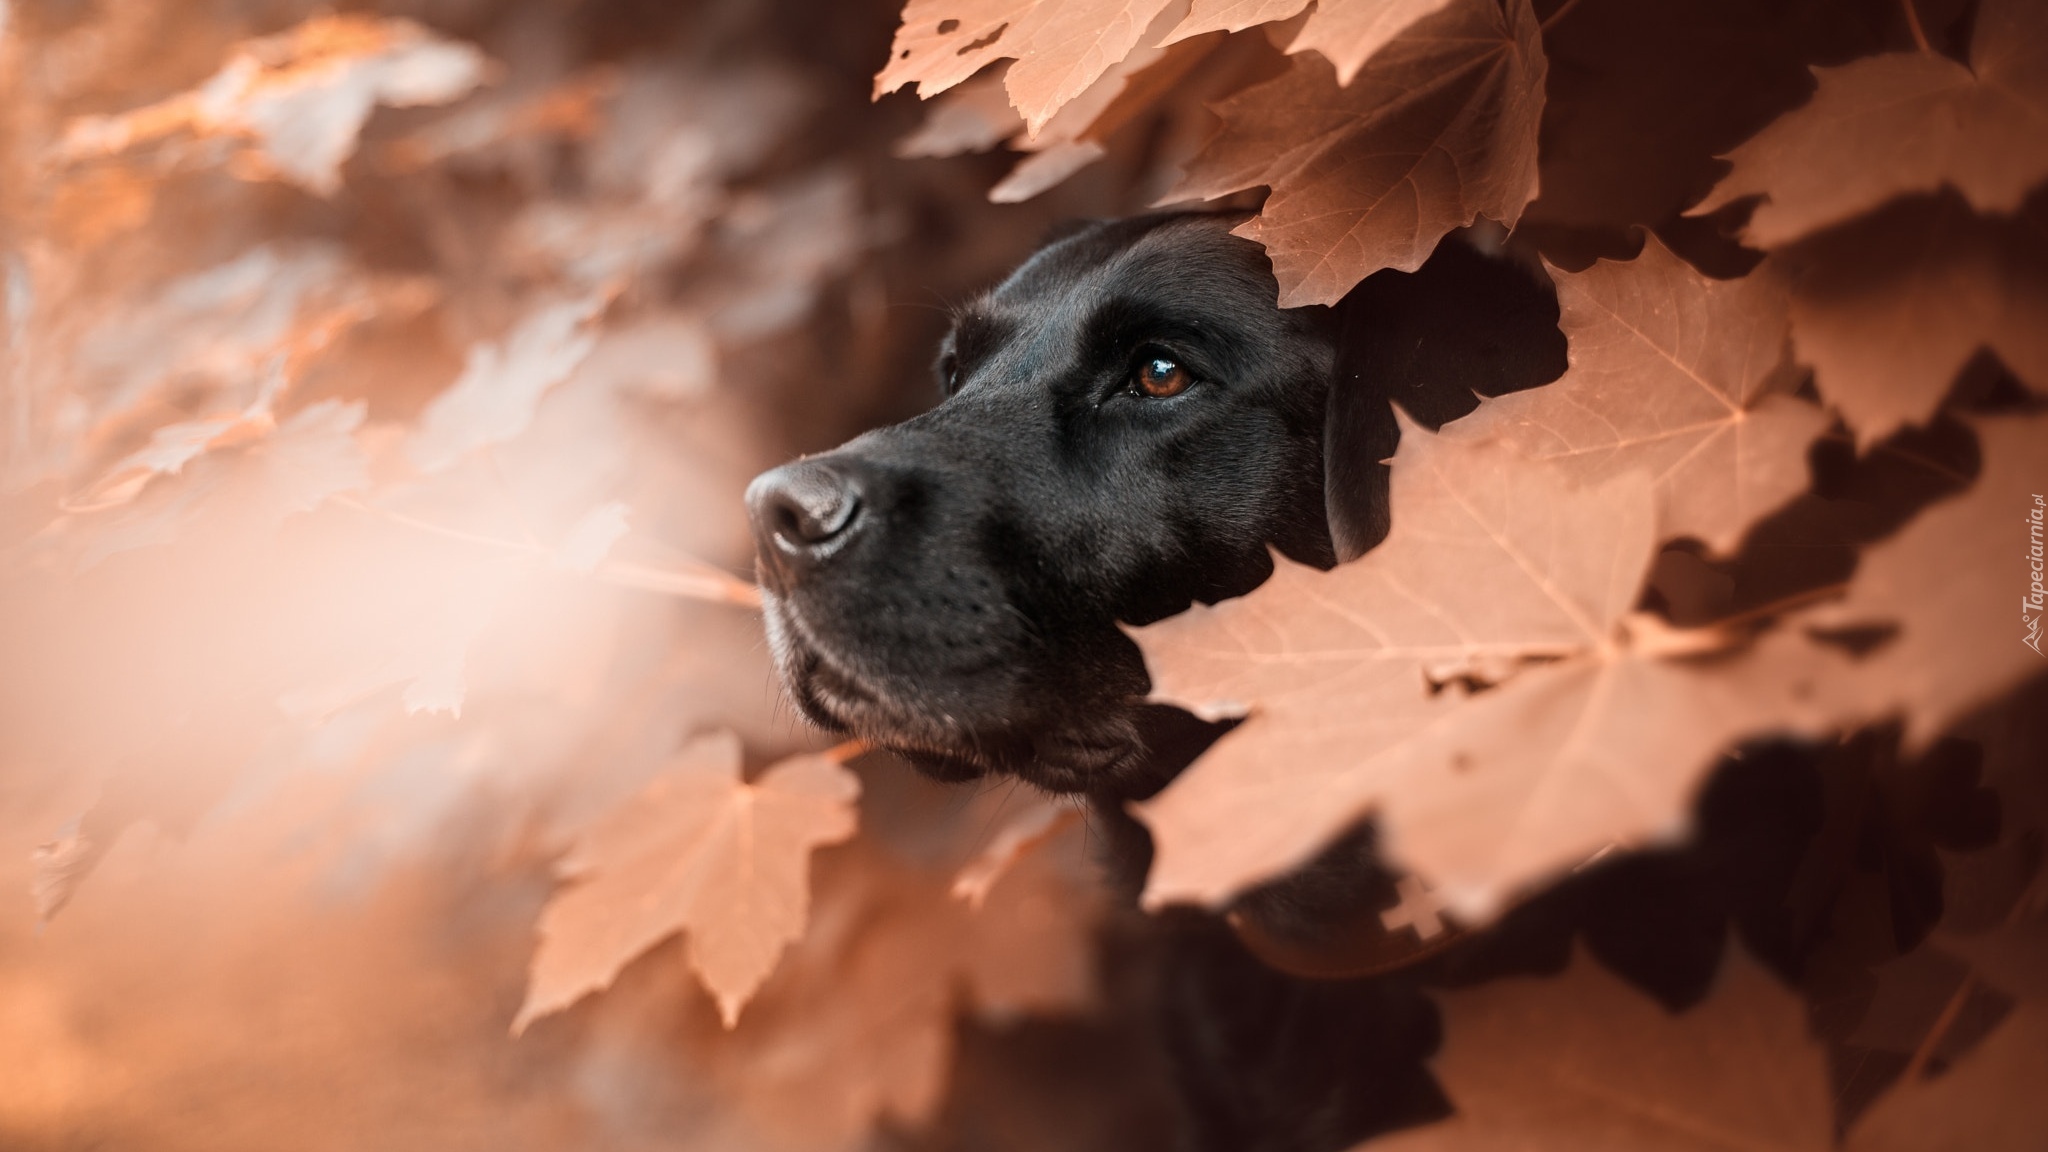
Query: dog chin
(944, 748)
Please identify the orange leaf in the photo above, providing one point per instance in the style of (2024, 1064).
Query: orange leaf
(1619, 1072)
(701, 852)
(301, 97)
(1494, 560)
(1959, 583)
(1060, 46)
(1889, 309)
(1438, 129)
(1904, 122)
(1673, 373)
(1350, 32)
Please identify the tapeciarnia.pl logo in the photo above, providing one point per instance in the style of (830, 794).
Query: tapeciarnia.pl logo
(2036, 598)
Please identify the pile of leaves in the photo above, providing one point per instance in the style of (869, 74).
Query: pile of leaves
(380, 677)
(1787, 487)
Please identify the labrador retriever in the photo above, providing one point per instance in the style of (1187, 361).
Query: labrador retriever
(1129, 424)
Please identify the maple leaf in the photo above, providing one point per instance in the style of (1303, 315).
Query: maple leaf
(1351, 32)
(1152, 79)
(1206, 16)
(1640, 100)
(300, 97)
(1060, 47)
(268, 472)
(1673, 373)
(1956, 584)
(219, 348)
(973, 116)
(570, 109)
(1904, 122)
(1494, 560)
(703, 852)
(1619, 1072)
(860, 1021)
(1889, 309)
(1438, 129)
(502, 383)
(1346, 32)
(1073, 137)
(1153, 107)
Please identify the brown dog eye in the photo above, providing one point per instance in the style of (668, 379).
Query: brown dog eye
(1161, 377)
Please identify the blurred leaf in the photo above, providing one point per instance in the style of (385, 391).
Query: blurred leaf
(300, 98)
(1904, 122)
(1619, 1072)
(700, 852)
(1438, 130)
(1673, 373)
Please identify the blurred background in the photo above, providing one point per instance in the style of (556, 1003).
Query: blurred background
(380, 386)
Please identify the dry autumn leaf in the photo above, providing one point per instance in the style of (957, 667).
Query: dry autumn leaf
(1351, 32)
(1494, 560)
(973, 116)
(1206, 16)
(859, 1023)
(1952, 582)
(1619, 1073)
(1060, 47)
(1889, 309)
(301, 97)
(1904, 122)
(1438, 129)
(1152, 111)
(701, 852)
(273, 471)
(1346, 32)
(1072, 138)
(1675, 374)
(1168, 81)
(501, 383)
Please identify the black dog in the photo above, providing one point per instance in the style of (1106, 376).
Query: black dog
(1130, 422)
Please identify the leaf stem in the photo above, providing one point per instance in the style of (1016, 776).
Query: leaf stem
(1781, 604)
(696, 581)
(1917, 1066)
(1913, 22)
(1568, 5)
(841, 753)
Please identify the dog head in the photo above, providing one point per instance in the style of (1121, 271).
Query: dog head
(1130, 425)
(1129, 422)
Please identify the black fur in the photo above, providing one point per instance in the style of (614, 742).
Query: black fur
(968, 614)
(955, 587)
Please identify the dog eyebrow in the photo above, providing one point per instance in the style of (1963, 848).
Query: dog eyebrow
(975, 335)
(1119, 323)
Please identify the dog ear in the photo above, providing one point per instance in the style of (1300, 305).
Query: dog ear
(1359, 435)
(1467, 323)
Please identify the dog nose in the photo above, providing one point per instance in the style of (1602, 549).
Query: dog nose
(803, 512)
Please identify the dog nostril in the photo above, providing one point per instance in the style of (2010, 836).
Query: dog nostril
(813, 518)
(800, 509)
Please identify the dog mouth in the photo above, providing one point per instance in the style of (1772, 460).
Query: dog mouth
(940, 737)
(829, 692)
